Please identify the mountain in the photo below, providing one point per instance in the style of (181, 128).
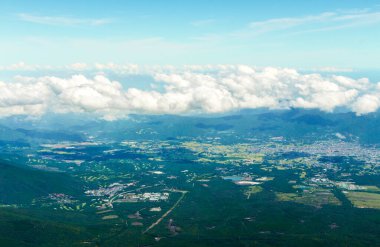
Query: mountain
(293, 123)
(21, 185)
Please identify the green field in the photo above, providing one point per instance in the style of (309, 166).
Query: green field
(364, 199)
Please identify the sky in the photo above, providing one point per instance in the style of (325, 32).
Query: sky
(302, 34)
(112, 58)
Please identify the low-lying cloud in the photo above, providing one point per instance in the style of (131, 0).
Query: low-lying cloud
(193, 89)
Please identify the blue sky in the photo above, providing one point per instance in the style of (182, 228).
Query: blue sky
(113, 58)
(299, 34)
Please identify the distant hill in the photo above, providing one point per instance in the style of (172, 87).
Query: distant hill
(21, 185)
(293, 123)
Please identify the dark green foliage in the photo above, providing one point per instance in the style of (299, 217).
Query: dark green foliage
(21, 185)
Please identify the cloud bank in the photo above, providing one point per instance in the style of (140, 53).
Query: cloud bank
(191, 89)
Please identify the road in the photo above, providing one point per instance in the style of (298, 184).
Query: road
(167, 212)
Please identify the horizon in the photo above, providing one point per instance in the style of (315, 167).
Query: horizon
(113, 59)
(188, 123)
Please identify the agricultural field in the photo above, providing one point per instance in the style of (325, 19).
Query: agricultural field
(189, 190)
(364, 199)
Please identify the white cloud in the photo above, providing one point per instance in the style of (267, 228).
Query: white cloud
(188, 89)
(117, 68)
(18, 67)
(332, 69)
(289, 22)
(62, 21)
(78, 66)
(320, 22)
(367, 103)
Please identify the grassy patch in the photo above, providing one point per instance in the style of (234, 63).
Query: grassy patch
(315, 197)
(253, 190)
(364, 199)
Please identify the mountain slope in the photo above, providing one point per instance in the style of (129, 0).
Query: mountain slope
(21, 185)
